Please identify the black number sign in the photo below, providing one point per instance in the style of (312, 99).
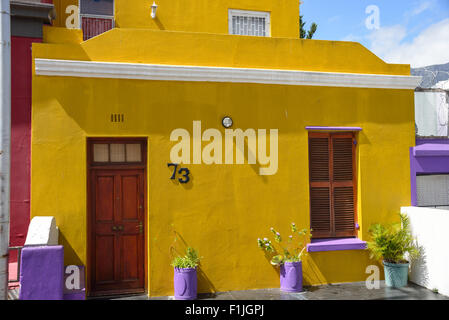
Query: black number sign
(182, 171)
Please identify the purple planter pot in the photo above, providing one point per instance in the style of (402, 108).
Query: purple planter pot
(291, 277)
(185, 282)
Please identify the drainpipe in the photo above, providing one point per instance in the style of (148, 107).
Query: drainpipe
(5, 138)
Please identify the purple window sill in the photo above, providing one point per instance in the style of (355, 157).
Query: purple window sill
(420, 141)
(334, 128)
(319, 245)
(431, 150)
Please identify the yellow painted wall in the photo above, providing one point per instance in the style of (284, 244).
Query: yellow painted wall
(225, 208)
(183, 48)
(61, 14)
(206, 16)
(195, 15)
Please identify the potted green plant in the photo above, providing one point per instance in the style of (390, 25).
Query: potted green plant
(395, 245)
(290, 260)
(185, 276)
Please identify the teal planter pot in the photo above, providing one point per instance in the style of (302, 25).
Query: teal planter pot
(396, 274)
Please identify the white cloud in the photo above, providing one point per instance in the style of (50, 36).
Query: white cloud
(429, 47)
(423, 6)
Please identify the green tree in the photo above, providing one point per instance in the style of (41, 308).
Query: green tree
(303, 34)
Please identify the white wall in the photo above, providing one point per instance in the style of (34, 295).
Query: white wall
(431, 229)
(431, 114)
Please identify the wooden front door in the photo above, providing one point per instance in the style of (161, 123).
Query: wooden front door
(116, 241)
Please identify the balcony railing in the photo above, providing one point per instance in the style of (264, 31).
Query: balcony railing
(93, 25)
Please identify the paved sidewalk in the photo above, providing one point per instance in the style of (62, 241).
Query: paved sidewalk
(346, 291)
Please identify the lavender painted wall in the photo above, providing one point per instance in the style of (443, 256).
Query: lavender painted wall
(74, 283)
(420, 141)
(42, 273)
(334, 128)
(318, 245)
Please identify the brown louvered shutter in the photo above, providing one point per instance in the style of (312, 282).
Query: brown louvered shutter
(332, 185)
(320, 187)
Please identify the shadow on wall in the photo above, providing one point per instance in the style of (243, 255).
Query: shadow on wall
(312, 274)
(418, 269)
(70, 256)
(338, 267)
(268, 257)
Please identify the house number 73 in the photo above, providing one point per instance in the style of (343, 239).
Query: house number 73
(182, 171)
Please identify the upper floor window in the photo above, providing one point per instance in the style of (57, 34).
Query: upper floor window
(96, 16)
(249, 23)
(431, 113)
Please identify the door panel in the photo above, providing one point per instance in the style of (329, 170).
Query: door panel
(117, 239)
(105, 252)
(130, 257)
(130, 196)
(104, 198)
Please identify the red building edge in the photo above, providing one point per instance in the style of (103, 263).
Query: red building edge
(27, 20)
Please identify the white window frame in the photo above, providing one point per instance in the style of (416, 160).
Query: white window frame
(95, 15)
(249, 13)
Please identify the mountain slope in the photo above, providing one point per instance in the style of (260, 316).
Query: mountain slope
(432, 74)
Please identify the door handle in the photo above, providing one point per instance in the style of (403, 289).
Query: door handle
(120, 228)
(114, 228)
(140, 227)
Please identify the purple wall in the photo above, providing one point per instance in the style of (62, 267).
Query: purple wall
(430, 156)
(318, 245)
(42, 273)
(334, 128)
(420, 141)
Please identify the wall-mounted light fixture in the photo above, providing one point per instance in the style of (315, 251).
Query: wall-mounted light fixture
(227, 122)
(153, 10)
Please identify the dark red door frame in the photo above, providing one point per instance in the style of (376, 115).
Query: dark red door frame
(95, 167)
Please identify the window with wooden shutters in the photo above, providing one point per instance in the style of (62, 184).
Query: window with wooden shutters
(332, 184)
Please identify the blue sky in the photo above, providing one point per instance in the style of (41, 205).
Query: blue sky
(415, 32)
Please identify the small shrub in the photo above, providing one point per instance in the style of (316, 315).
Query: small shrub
(294, 249)
(190, 260)
(393, 243)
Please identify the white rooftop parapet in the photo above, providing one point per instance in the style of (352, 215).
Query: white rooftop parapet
(42, 232)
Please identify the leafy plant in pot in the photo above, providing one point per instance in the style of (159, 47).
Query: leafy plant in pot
(290, 260)
(185, 276)
(395, 245)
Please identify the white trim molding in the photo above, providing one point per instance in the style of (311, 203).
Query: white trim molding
(140, 71)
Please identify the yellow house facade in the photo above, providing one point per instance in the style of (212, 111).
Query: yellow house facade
(110, 114)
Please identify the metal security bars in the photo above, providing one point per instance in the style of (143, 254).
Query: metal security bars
(249, 23)
(96, 16)
(433, 191)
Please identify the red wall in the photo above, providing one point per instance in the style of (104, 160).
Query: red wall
(20, 139)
